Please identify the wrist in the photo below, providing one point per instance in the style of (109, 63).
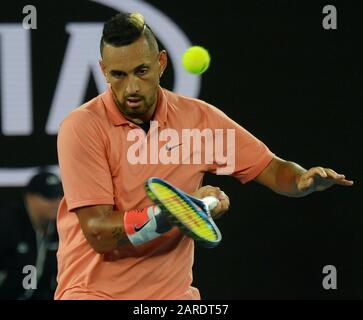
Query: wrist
(299, 190)
(145, 225)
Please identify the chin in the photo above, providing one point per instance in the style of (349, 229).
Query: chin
(137, 112)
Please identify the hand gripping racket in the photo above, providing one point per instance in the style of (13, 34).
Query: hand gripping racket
(190, 214)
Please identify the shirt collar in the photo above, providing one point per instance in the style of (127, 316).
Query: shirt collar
(117, 117)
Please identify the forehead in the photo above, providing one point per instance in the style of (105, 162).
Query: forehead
(126, 58)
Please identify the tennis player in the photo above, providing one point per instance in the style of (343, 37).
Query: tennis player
(99, 258)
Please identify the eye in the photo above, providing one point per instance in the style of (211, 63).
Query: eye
(142, 71)
(117, 74)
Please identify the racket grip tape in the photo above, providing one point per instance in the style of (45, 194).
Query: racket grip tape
(211, 202)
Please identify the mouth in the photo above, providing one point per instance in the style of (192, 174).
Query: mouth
(133, 102)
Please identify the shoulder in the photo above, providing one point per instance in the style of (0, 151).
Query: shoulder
(193, 106)
(183, 102)
(189, 104)
(89, 113)
(88, 119)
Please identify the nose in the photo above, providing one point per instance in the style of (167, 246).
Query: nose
(132, 85)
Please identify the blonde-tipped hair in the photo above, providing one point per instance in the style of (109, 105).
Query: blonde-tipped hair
(125, 28)
(137, 19)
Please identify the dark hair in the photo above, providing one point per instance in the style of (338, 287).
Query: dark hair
(124, 29)
(45, 184)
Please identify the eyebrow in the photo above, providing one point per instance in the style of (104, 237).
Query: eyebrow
(143, 65)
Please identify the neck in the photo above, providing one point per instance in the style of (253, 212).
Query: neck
(144, 117)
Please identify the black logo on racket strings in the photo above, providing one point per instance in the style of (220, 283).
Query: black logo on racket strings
(169, 148)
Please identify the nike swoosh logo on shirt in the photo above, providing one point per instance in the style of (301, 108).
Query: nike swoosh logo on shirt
(172, 147)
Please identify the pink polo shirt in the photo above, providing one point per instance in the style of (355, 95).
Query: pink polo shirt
(105, 159)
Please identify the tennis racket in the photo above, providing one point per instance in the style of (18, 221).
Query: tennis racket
(190, 214)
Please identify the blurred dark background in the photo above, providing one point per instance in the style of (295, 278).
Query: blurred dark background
(296, 86)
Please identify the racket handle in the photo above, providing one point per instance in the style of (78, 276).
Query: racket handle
(211, 202)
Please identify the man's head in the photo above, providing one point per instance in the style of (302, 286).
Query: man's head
(43, 194)
(132, 64)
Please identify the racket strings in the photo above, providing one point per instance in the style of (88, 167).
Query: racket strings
(184, 212)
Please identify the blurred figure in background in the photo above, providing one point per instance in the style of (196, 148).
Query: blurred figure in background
(28, 236)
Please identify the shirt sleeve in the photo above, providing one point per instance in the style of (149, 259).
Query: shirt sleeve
(83, 162)
(239, 154)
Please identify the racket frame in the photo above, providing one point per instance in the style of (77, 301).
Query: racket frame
(200, 208)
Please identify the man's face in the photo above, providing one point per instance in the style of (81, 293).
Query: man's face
(43, 207)
(134, 72)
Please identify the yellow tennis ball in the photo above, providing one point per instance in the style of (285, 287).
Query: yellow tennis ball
(196, 60)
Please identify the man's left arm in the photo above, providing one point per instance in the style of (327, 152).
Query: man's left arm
(290, 179)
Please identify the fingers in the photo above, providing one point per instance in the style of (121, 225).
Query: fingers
(316, 171)
(326, 173)
(222, 196)
(332, 174)
(344, 182)
(339, 178)
(223, 203)
(222, 207)
(208, 191)
(319, 179)
(306, 183)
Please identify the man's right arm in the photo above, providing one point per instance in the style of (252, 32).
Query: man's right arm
(106, 229)
(102, 227)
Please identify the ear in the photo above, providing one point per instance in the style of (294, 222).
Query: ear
(163, 61)
(103, 69)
